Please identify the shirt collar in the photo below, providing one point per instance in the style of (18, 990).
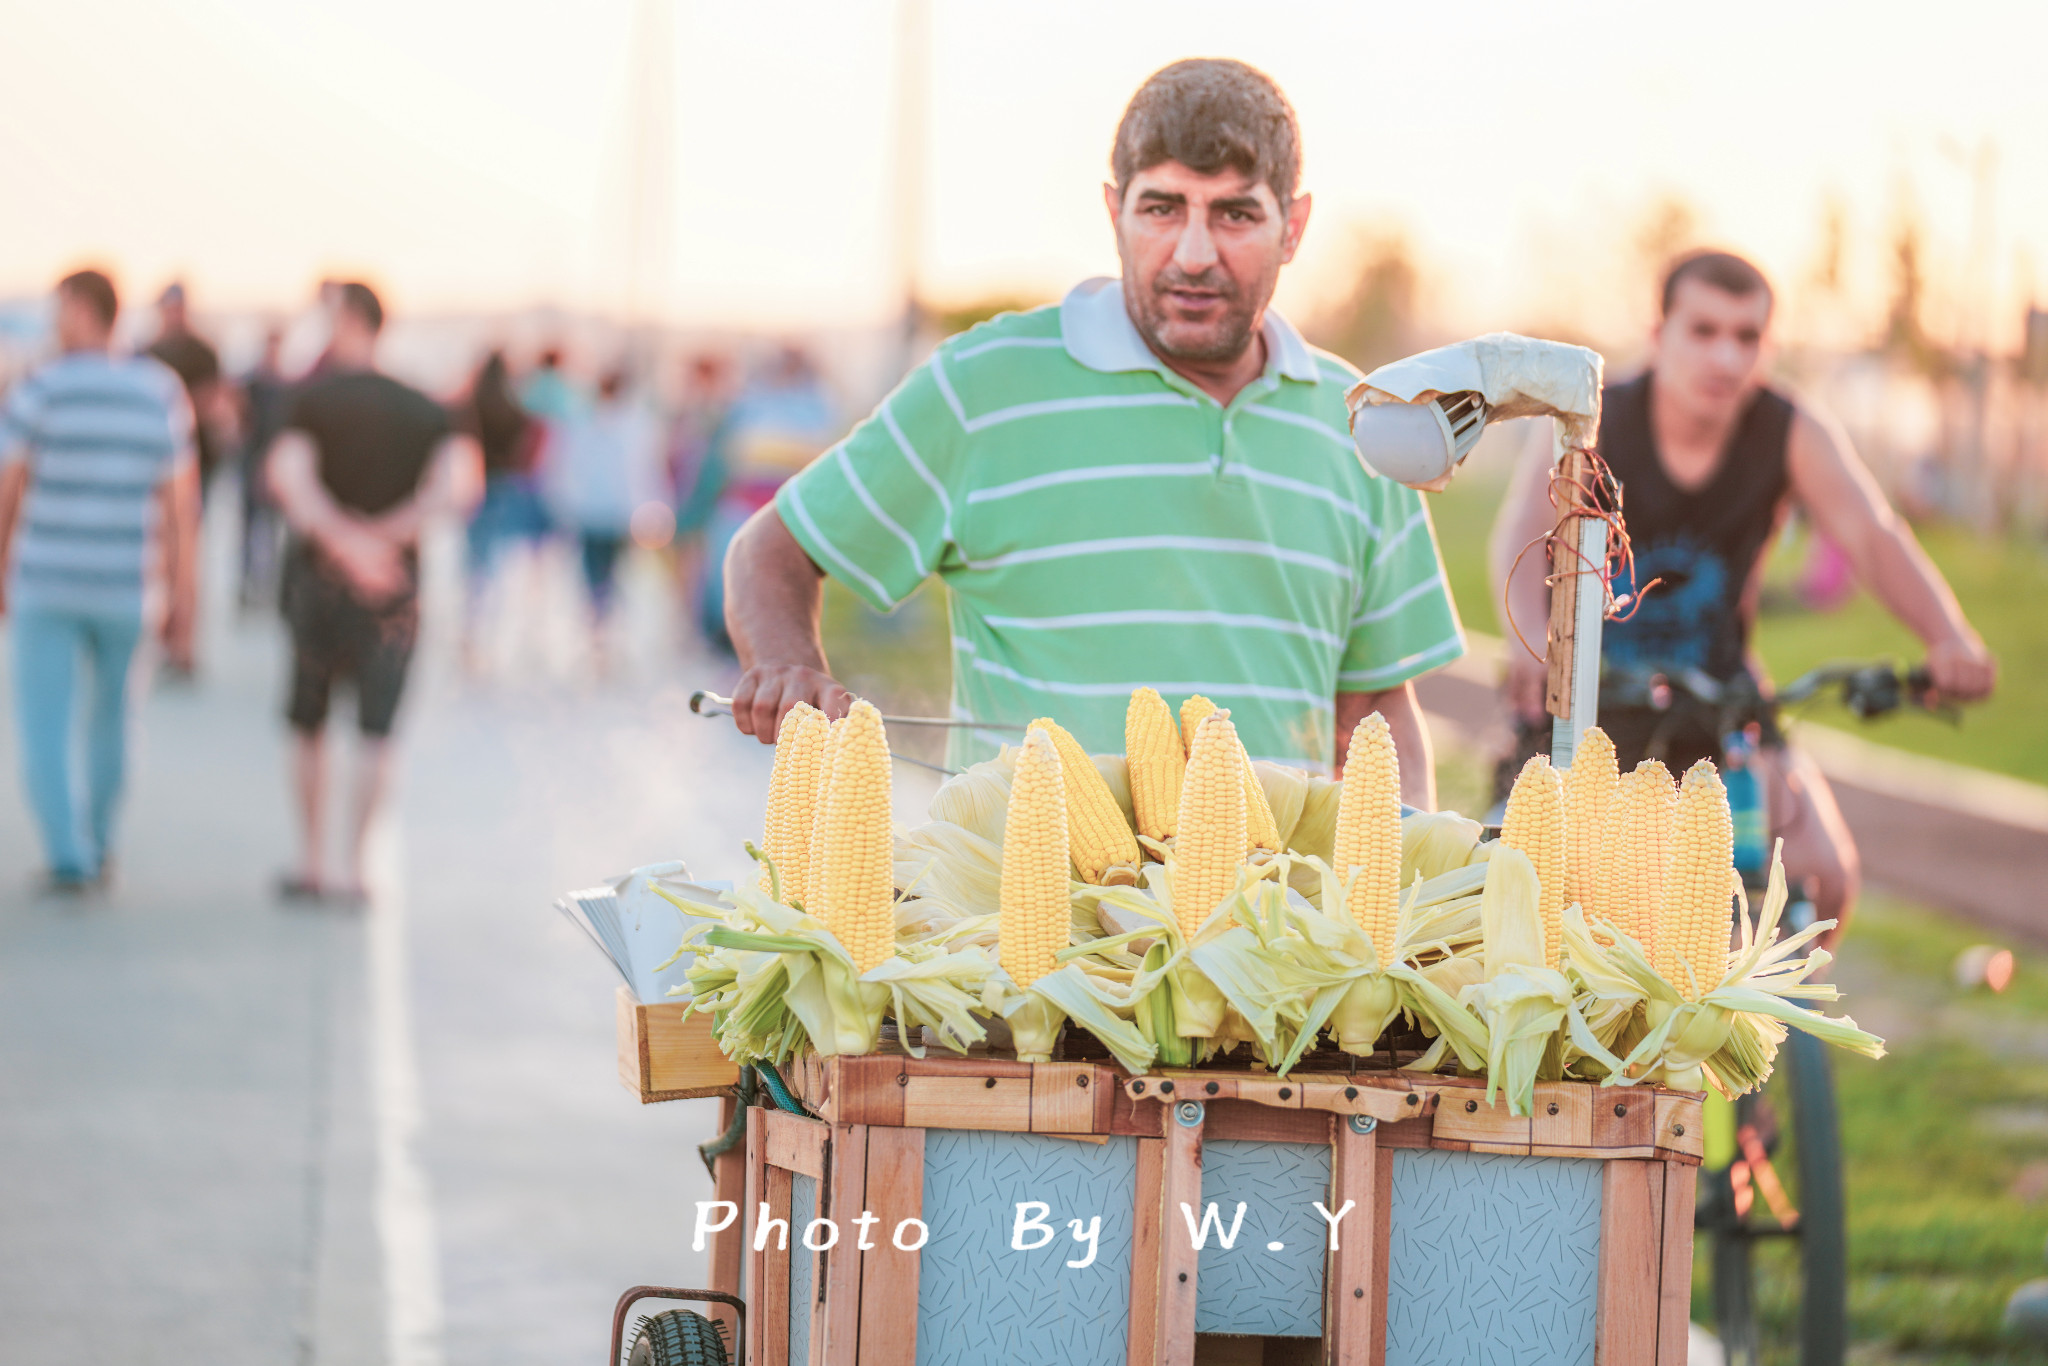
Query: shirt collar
(1099, 333)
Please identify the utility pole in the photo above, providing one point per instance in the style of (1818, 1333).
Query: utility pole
(913, 114)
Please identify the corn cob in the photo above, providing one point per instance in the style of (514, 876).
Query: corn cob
(1211, 844)
(812, 888)
(1260, 830)
(1034, 920)
(1589, 786)
(1692, 931)
(1534, 824)
(858, 852)
(1097, 836)
(1158, 761)
(1633, 864)
(1369, 831)
(792, 788)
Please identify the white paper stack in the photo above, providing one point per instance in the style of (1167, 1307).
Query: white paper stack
(638, 929)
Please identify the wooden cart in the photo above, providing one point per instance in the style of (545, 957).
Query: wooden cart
(1471, 1235)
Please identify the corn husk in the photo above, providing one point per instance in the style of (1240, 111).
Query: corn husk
(1522, 1000)
(1435, 842)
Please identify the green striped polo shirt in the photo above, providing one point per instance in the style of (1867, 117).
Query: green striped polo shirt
(1102, 524)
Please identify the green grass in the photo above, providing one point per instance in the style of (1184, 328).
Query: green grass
(1937, 1239)
(2002, 584)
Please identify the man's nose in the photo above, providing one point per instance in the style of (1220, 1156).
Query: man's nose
(1195, 252)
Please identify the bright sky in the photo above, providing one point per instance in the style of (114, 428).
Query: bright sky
(474, 157)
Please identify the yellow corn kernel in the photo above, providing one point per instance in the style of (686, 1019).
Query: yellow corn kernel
(1260, 830)
(1097, 836)
(1157, 761)
(792, 792)
(1034, 922)
(1699, 892)
(1534, 824)
(858, 851)
(1369, 832)
(1589, 787)
(1210, 847)
(1634, 863)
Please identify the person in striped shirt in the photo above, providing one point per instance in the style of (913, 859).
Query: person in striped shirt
(96, 463)
(1151, 483)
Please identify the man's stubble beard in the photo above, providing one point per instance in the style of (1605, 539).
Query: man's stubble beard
(1236, 323)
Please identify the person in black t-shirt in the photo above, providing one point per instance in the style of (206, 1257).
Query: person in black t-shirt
(1711, 458)
(198, 365)
(362, 463)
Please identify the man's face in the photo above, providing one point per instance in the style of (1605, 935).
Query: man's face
(78, 323)
(1710, 347)
(1201, 254)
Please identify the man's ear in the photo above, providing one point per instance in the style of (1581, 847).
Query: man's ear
(1297, 224)
(1112, 201)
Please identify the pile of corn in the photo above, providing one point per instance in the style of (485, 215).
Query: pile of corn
(1180, 901)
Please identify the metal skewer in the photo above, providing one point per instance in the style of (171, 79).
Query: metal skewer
(702, 698)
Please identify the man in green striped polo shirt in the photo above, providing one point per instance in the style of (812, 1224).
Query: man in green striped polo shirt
(1151, 483)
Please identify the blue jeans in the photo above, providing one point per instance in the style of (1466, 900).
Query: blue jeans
(77, 817)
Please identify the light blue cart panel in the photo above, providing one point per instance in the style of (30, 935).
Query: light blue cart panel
(1494, 1261)
(980, 1303)
(803, 1265)
(1252, 1287)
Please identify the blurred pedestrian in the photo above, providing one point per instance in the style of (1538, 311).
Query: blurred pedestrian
(511, 512)
(602, 472)
(265, 394)
(96, 462)
(782, 420)
(198, 365)
(362, 463)
(694, 480)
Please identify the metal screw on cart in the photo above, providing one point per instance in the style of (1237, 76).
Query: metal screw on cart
(1620, 1110)
(1211, 1088)
(1188, 1113)
(1137, 1088)
(1363, 1124)
(903, 1079)
(1351, 1093)
(1165, 1088)
(1553, 1107)
(990, 1083)
(1471, 1107)
(1081, 1080)
(1678, 1130)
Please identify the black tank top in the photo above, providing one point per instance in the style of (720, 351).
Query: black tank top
(1703, 544)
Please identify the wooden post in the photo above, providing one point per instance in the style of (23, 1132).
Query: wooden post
(888, 1274)
(1143, 1340)
(1577, 607)
(1355, 1274)
(835, 1339)
(729, 1182)
(1674, 1313)
(1180, 1184)
(1631, 1262)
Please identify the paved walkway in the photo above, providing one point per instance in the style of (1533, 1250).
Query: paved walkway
(231, 1132)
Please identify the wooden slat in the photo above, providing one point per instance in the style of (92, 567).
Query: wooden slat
(728, 1245)
(889, 1275)
(1408, 1133)
(771, 1302)
(1133, 1117)
(1180, 1184)
(868, 1090)
(1467, 1119)
(1063, 1098)
(756, 1263)
(1143, 1335)
(1631, 1263)
(666, 1051)
(1680, 1128)
(968, 1102)
(1625, 1123)
(1563, 1116)
(1353, 1322)
(795, 1142)
(1384, 1103)
(1383, 1243)
(1674, 1296)
(835, 1340)
(1244, 1119)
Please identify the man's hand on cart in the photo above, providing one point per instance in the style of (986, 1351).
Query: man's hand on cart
(767, 691)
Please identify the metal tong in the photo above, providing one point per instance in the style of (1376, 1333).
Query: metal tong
(707, 703)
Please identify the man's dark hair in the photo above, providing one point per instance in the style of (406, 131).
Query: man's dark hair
(1208, 113)
(361, 300)
(93, 288)
(1724, 270)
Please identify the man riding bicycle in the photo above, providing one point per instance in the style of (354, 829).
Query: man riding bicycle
(1151, 483)
(1711, 459)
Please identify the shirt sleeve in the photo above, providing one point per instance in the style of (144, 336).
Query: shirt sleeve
(20, 414)
(876, 510)
(1406, 622)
